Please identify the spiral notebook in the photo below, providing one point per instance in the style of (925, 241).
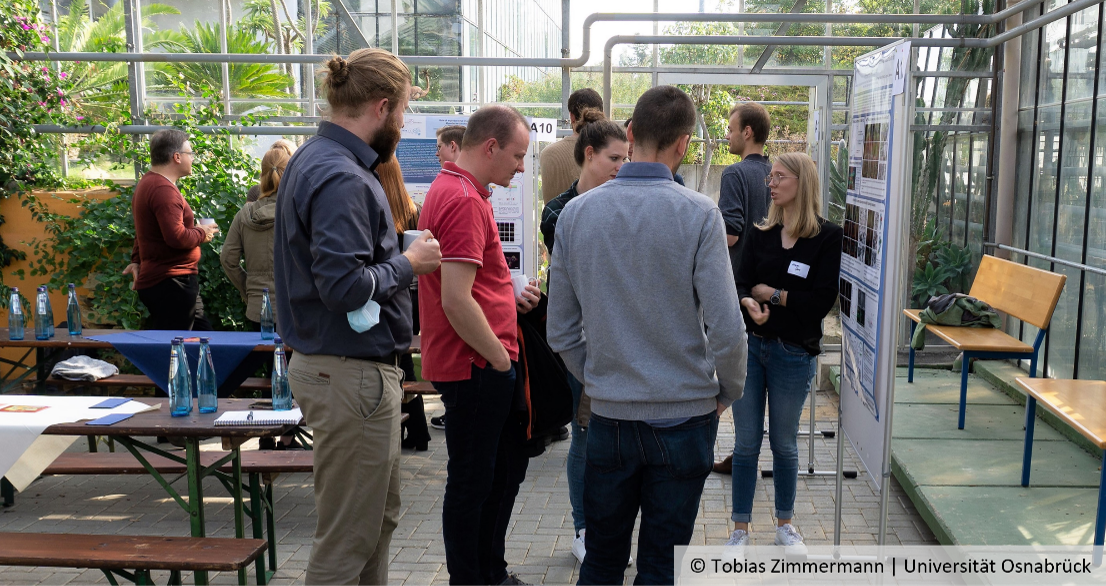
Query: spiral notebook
(259, 417)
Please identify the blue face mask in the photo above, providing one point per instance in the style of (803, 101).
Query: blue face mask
(365, 317)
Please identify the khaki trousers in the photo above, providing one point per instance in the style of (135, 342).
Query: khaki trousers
(353, 409)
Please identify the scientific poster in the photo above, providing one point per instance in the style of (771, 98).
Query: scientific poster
(874, 189)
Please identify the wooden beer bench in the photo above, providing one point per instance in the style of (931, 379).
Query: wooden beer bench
(129, 557)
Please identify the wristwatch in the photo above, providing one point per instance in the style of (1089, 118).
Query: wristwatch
(775, 300)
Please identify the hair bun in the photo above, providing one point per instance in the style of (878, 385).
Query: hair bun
(587, 116)
(339, 70)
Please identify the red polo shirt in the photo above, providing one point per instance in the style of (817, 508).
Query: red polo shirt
(458, 213)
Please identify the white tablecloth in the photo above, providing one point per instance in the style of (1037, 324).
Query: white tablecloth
(26, 452)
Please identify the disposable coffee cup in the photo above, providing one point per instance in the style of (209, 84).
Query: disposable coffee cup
(519, 282)
(207, 221)
(409, 237)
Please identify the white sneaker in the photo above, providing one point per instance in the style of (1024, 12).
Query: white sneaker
(580, 551)
(789, 537)
(735, 547)
(578, 547)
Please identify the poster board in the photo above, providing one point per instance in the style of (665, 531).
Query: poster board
(515, 206)
(877, 197)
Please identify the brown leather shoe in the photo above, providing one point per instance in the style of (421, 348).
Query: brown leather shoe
(725, 466)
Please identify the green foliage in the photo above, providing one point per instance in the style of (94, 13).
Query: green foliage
(839, 182)
(100, 89)
(30, 93)
(941, 266)
(246, 80)
(625, 89)
(93, 249)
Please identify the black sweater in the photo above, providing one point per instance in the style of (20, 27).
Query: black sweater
(765, 261)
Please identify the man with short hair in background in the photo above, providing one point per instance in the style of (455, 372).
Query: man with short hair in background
(643, 309)
(165, 259)
(449, 143)
(558, 165)
(744, 198)
(470, 346)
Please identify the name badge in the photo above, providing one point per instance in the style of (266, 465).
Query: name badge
(798, 269)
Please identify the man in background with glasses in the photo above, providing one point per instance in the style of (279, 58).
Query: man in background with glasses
(449, 143)
(165, 259)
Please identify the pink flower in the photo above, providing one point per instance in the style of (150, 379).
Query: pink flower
(45, 39)
(80, 117)
(42, 103)
(45, 69)
(63, 75)
(60, 93)
(26, 28)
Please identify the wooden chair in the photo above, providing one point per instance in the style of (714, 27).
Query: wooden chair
(1082, 405)
(1020, 291)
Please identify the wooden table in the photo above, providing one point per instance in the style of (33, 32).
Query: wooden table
(192, 429)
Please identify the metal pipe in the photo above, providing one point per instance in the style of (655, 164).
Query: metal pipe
(152, 128)
(566, 50)
(1047, 258)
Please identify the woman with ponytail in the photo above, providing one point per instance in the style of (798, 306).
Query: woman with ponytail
(600, 151)
(247, 255)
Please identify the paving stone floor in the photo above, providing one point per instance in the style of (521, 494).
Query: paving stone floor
(538, 544)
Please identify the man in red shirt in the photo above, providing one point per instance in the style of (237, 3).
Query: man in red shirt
(166, 255)
(468, 313)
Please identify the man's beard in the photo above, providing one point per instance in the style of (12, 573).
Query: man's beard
(386, 139)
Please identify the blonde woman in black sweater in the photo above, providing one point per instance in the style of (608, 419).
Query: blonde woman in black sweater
(787, 283)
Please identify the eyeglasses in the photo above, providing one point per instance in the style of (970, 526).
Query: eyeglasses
(189, 153)
(777, 178)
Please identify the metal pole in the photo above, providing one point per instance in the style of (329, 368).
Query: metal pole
(132, 72)
(566, 50)
(840, 463)
(395, 27)
(224, 14)
(480, 52)
(656, 31)
(827, 52)
(63, 153)
(309, 48)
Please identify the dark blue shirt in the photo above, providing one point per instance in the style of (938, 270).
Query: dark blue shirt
(335, 248)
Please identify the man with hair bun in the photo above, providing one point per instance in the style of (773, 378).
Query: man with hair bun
(343, 305)
(643, 310)
(558, 169)
(470, 346)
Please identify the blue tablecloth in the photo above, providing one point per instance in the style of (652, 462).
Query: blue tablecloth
(149, 350)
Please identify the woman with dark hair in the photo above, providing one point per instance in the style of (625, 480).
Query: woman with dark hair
(787, 283)
(405, 216)
(600, 150)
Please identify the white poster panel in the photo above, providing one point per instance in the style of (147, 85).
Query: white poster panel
(870, 256)
(514, 206)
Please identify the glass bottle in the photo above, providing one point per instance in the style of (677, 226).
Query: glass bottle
(16, 321)
(282, 393)
(42, 332)
(267, 326)
(73, 312)
(180, 381)
(49, 312)
(205, 379)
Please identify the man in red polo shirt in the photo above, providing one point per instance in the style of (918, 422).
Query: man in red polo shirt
(468, 314)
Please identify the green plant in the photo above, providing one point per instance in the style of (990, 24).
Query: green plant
(929, 281)
(246, 80)
(93, 249)
(941, 266)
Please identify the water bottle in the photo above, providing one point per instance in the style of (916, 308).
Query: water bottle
(267, 328)
(205, 379)
(180, 381)
(282, 393)
(15, 316)
(49, 312)
(42, 331)
(73, 312)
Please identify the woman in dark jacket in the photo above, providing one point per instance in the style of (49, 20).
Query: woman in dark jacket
(787, 282)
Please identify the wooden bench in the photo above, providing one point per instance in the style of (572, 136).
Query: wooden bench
(1082, 405)
(1020, 291)
(419, 388)
(114, 555)
(261, 466)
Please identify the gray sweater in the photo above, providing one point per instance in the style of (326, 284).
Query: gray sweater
(642, 306)
(744, 200)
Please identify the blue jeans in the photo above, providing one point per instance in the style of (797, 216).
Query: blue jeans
(576, 452)
(485, 440)
(780, 372)
(660, 471)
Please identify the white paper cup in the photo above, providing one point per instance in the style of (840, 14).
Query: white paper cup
(519, 282)
(207, 221)
(409, 237)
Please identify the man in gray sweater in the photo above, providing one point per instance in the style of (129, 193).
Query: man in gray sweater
(744, 198)
(643, 309)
